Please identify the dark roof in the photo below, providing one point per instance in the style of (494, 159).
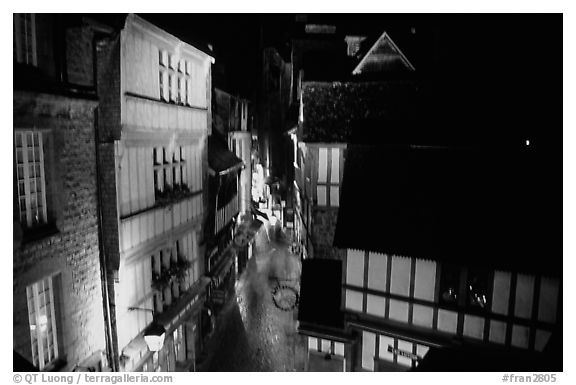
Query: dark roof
(220, 159)
(320, 288)
(333, 109)
(472, 206)
(484, 359)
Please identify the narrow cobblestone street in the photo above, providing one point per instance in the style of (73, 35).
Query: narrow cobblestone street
(252, 333)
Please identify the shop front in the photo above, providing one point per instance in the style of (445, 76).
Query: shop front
(382, 351)
(182, 333)
(327, 352)
(244, 242)
(223, 277)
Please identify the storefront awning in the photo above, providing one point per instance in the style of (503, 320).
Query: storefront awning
(221, 161)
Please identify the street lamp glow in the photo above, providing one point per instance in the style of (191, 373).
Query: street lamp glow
(154, 337)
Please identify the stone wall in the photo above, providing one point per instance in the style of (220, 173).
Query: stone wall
(108, 88)
(69, 251)
(80, 56)
(323, 228)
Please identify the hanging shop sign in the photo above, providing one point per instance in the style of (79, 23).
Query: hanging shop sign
(403, 353)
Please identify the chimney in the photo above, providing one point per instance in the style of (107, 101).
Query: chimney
(354, 43)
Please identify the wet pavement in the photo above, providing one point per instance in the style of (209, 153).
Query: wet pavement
(253, 333)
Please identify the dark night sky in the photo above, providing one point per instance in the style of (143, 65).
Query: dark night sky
(485, 62)
(496, 77)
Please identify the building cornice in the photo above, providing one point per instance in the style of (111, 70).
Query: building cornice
(165, 38)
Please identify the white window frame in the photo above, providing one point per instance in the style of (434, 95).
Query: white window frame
(327, 184)
(38, 215)
(169, 168)
(42, 291)
(175, 79)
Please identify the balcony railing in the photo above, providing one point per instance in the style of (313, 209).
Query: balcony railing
(225, 214)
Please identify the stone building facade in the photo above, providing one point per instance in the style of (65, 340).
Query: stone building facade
(58, 321)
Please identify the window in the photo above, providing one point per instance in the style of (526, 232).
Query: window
(42, 320)
(477, 288)
(172, 87)
(328, 188)
(163, 86)
(181, 90)
(174, 79)
(174, 270)
(30, 178)
(25, 38)
(169, 171)
(449, 285)
(179, 347)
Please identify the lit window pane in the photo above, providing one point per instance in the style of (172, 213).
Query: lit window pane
(321, 195)
(334, 197)
(322, 165)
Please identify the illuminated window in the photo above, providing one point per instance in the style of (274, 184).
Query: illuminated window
(328, 183)
(181, 90)
(42, 320)
(175, 79)
(188, 92)
(179, 344)
(25, 38)
(30, 177)
(172, 80)
(449, 285)
(169, 171)
(477, 288)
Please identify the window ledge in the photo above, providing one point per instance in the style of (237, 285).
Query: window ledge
(162, 204)
(55, 365)
(37, 233)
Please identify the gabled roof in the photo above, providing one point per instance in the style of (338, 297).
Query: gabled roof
(384, 55)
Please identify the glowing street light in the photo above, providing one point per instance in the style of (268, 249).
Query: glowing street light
(154, 337)
(154, 334)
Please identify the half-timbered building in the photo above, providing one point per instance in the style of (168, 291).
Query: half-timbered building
(154, 121)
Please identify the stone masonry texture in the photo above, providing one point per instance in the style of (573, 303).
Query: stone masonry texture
(325, 220)
(70, 252)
